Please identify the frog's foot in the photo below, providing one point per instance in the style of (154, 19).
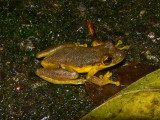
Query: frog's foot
(81, 45)
(97, 43)
(119, 43)
(59, 76)
(106, 80)
(102, 80)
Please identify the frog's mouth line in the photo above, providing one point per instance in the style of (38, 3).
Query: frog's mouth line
(112, 64)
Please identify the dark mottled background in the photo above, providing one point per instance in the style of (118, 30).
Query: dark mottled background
(29, 26)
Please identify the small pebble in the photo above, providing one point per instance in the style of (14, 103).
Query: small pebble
(151, 35)
(1, 48)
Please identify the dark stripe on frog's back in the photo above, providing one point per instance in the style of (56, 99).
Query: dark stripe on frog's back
(78, 56)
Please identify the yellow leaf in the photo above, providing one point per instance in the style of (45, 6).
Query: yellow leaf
(141, 100)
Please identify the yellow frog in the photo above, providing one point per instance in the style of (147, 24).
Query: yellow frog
(63, 63)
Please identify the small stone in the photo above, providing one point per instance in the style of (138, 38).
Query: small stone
(25, 59)
(1, 48)
(142, 12)
(8, 62)
(27, 45)
(158, 39)
(151, 35)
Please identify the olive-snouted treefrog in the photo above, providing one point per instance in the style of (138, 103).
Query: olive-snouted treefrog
(63, 63)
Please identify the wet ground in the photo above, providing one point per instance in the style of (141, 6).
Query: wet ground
(27, 27)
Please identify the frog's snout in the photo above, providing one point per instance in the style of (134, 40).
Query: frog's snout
(118, 57)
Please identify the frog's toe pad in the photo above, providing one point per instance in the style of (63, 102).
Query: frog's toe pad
(117, 83)
(107, 75)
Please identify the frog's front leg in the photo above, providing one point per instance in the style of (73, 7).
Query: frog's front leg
(121, 48)
(101, 80)
(59, 75)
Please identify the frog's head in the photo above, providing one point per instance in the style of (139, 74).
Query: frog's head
(113, 55)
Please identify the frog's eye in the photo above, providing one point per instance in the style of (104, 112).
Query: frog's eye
(107, 60)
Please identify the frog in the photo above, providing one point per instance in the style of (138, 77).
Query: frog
(63, 63)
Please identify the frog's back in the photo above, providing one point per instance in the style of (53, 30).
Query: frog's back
(78, 56)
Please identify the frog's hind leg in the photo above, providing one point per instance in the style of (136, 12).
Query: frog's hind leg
(56, 48)
(59, 76)
(53, 49)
